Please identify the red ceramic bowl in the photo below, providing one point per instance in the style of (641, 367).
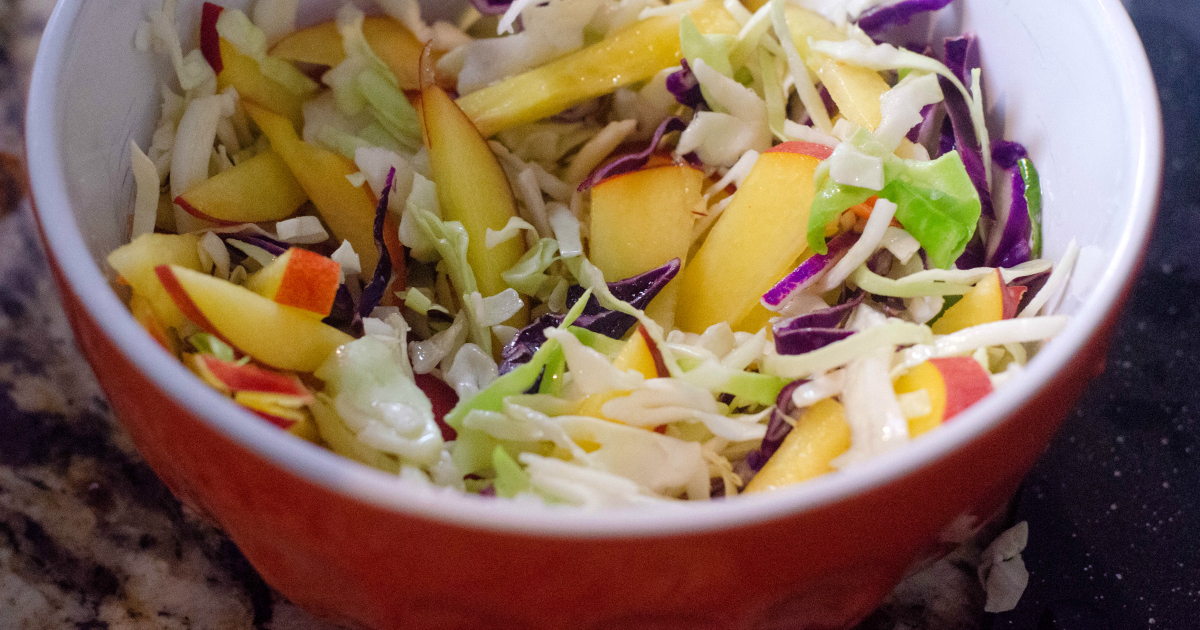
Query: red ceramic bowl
(1068, 78)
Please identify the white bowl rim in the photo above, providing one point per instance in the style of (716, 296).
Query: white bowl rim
(355, 481)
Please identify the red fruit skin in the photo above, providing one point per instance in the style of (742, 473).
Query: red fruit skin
(192, 210)
(282, 423)
(1011, 297)
(210, 41)
(443, 397)
(310, 282)
(180, 297)
(966, 383)
(819, 151)
(251, 378)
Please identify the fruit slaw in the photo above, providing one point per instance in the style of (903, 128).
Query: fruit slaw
(587, 252)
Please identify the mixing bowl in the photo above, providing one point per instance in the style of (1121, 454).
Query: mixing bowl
(1067, 78)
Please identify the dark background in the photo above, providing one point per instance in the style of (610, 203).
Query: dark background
(1112, 507)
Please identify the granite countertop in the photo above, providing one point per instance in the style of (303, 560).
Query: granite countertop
(90, 539)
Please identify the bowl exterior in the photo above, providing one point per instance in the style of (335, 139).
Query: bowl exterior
(367, 566)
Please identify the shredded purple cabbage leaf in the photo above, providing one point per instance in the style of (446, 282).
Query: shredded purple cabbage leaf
(962, 56)
(633, 161)
(1013, 245)
(878, 19)
(491, 7)
(777, 429)
(799, 335)
(685, 87)
(373, 292)
(268, 244)
(809, 271)
(637, 291)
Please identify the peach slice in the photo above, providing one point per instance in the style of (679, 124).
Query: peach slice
(257, 190)
(639, 353)
(754, 243)
(230, 376)
(629, 56)
(144, 313)
(952, 383)
(282, 337)
(389, 39)
(820, 435)
(244, 74)
(349, 211)
(983, 304)
(642, 220)
(471, 186)
(299, 278)
(135, 262)
(854, 89)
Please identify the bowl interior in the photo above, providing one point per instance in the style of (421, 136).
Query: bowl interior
(1068, 79)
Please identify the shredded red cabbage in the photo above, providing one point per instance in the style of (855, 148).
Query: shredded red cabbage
(637, 291)
(210, 41)
(809, 270)
(1033, 284)
(341, 315)
(962, 56)
(1012, 245)
(805, 340)
(685, 87)
(491, 7)
(443, 397)
(799, 335)
(777, 429)
(633, 161)
(268, 244)
(878, 19)
(373, 292)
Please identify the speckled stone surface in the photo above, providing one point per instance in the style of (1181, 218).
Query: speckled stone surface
(90, 539)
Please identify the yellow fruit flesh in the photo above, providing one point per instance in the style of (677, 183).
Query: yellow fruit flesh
(752, 245)
(635, 355)
(820, 435)
(642, 220)
(259, 189)
(279, 336)
(349, 211)
(983, 304)
(927, 377)
(472, 188)
(244, 74)
(135, 262)
(390, 40)
(630, 56)
(855, 89)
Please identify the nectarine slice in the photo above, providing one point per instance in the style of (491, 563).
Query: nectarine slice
(472, 187)
(820, 435)
(349, 211)
(753, 244)
(983, 304)
(629, 56)
(279, 336)
(389, 39)
(244, 74)
(299, 278)
(135, 262)
(952, 383)
(642, 220)
(257, 190)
